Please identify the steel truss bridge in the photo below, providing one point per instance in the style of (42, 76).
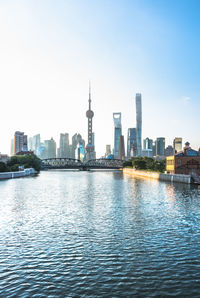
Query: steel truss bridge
(70, 163)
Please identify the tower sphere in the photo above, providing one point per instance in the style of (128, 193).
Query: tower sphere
(89, 114)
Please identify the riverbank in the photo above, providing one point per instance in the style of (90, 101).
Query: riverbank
(18, 174)
(158, 176)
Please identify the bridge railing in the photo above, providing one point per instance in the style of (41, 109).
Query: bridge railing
(76, 163)
(60, 162)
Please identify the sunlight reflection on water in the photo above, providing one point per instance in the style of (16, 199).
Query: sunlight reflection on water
(98, 234)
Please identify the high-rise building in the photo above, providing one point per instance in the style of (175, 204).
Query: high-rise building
(117, 132)
(121, 154)
(76, 140)
(147, 144)
(50, 148)
(138, 101)
(131, 143)
(11, 148)
(71, 151)
(90, 148)
(63, 150)
(177, 143)
(20, 142)
(36, 143)
(93, 138)
(147, 153)
(30, 144)
(169, 150)
(81, 152)
(108, 150)
(41, 151)
(154, 148)
(160, 146)
(73, 146)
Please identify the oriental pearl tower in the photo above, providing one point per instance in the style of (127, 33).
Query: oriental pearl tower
(90, 150)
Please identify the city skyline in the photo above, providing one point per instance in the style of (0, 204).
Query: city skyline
(134, 147)
(48, 58)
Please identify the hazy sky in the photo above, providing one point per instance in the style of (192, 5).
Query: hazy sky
(49, 50)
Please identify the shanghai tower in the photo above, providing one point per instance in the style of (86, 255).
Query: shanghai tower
(138, 101)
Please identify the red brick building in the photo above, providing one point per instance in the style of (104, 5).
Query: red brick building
(184, 162)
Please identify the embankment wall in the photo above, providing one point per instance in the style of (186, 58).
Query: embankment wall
(159, 176)
(11, 175)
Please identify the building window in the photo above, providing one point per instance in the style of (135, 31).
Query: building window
(179, 162)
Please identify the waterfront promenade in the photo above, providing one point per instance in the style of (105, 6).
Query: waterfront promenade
(18, 174)
(98, 234)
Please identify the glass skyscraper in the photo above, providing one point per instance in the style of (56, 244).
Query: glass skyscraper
(131, 142)
(148, 144)
(138, 101)
(117, 132)
(63, 150)
(177, 144)
(160, 146)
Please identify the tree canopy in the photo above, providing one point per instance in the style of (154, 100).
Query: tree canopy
(28, 161)
(4, 167)
(146, 163)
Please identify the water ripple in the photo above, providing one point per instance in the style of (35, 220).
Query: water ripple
(75, 234)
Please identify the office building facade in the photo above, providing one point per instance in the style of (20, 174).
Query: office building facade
(121, 154)
(131, 142)
(169, 150)
(147, 153)
(76, 141)
(177, 143)
(117, 132)
(50, 148)
(160, 146)
(108, 150)
(36, 143)
(138, 101)
(148, 144)
(63, 150)
(20, 142)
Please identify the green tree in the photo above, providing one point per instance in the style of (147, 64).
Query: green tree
(127, 163)
(147, 163)
(4, 167)
(139, 163)
(14, 168)
(28, 161)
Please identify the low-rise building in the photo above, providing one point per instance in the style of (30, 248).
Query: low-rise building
(4, 158)
(185, 162)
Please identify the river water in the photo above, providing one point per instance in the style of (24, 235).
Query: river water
(98, 234)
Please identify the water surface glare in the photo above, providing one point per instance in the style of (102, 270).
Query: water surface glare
(98, 234)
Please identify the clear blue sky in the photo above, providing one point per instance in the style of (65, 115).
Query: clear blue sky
(50, 49)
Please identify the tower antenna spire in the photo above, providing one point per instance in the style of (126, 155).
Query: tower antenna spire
(89, 95)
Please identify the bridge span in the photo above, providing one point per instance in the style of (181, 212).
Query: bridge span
(70, 163)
